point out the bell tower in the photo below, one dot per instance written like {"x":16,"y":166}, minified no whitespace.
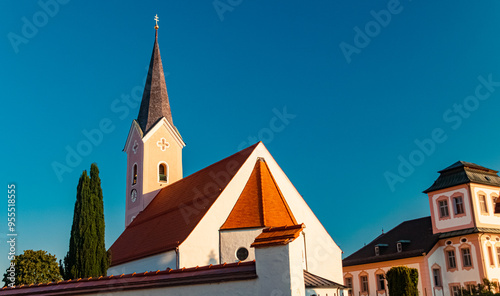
{"x":154,"y":145}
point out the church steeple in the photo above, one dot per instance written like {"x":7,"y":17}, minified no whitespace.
{"x":154,"y":145}
{"x":155,"y":104}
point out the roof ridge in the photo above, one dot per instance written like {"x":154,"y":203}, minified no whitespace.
{"x":261,"y":190}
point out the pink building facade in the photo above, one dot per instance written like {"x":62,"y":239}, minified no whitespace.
{"x":456,"y":247}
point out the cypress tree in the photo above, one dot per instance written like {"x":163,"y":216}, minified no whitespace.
{"x":87,"y":256}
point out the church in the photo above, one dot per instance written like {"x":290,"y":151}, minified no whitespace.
{"x":236,"y":227}
{"x":456,"y":247}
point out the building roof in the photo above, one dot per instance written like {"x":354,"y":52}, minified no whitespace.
{"x":210,"y":274}
{"x":315,"y":281}
{"x":468,"y":231}
{"x":154,"y":104}
{"x":175,"y":211}
{"x":462,"y":172}
{"x":273,"y":236}
{"x":261,"y":203}
{"x":147,"y":280}
{"x":416,"y":238}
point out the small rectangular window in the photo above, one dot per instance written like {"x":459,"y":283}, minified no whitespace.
{"x":451,"y":259}
{"x":466,"y":257}
{"x":443,"y":208}
{"x":377,"y":250}
{"x":490,"y":256}
{"x":459,"y":205}
{"x":498,"y":255}
{"x":364,"y":283}
{"x":399,"y":246}
{"x":348,"y":284}
{"x":482,"y":203}
{"x":436,"y":274}
{"x":455,"y":290}
{"x":380,"y":282}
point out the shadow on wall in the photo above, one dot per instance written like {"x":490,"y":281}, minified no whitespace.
{"x":211,"y":258}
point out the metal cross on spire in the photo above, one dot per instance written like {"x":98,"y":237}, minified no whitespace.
{"x":156,"y":19}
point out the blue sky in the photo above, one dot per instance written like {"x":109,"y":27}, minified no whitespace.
{"x":405,"y":89}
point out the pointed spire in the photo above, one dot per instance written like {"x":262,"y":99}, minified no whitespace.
{"x":155,"y":104}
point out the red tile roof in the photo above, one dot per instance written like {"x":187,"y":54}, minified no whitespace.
{"x":175,"y":211}
{"x":261,"y":204}
{"x":147,"y":280}
{"x":277,"y":236}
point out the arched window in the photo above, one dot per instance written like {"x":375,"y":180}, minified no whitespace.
{"x":162,"y":172}
{"x":134,"y":176}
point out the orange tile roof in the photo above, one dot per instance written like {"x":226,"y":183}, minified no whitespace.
{"x":261,"y":204}
{"x":175,"y":211}
{"x":273,"y":236}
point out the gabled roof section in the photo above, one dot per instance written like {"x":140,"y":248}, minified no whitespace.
{"x":418,"y":232}
{"x":462,"y":172}
{"x":175,"y":211}
{"x":274,"y":236}
{"x":261,"y":204}
{"x":154,"y":104}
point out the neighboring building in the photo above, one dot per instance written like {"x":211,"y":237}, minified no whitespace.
{"x":240,"y":219}
{"x":457,"y":246}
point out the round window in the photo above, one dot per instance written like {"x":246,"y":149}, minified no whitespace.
{"x":242,"y":254}
{"x":464,"y":240}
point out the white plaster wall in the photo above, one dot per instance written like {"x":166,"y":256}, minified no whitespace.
{"x":296,"y":267}
{"x":236,"y":288}
{"x":279,"y":269}
{"x":372,"y":280}
{"x":458,"y":276}
{"x":453,"y":222}
{"x":232,"y":240}
{"x":151,"y":263}
{"x":490,"y":218}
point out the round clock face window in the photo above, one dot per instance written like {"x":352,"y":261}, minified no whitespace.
{"x":133,"y":195}
{"x":242,"y":254}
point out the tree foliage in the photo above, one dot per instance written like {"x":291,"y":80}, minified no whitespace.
{"x":402,"y":281}
{"x":87,"y":256}
{"x":32,"y":267}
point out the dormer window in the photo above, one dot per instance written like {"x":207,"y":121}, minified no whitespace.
{"x":377,"y":248}
{"x":399,"y":244}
